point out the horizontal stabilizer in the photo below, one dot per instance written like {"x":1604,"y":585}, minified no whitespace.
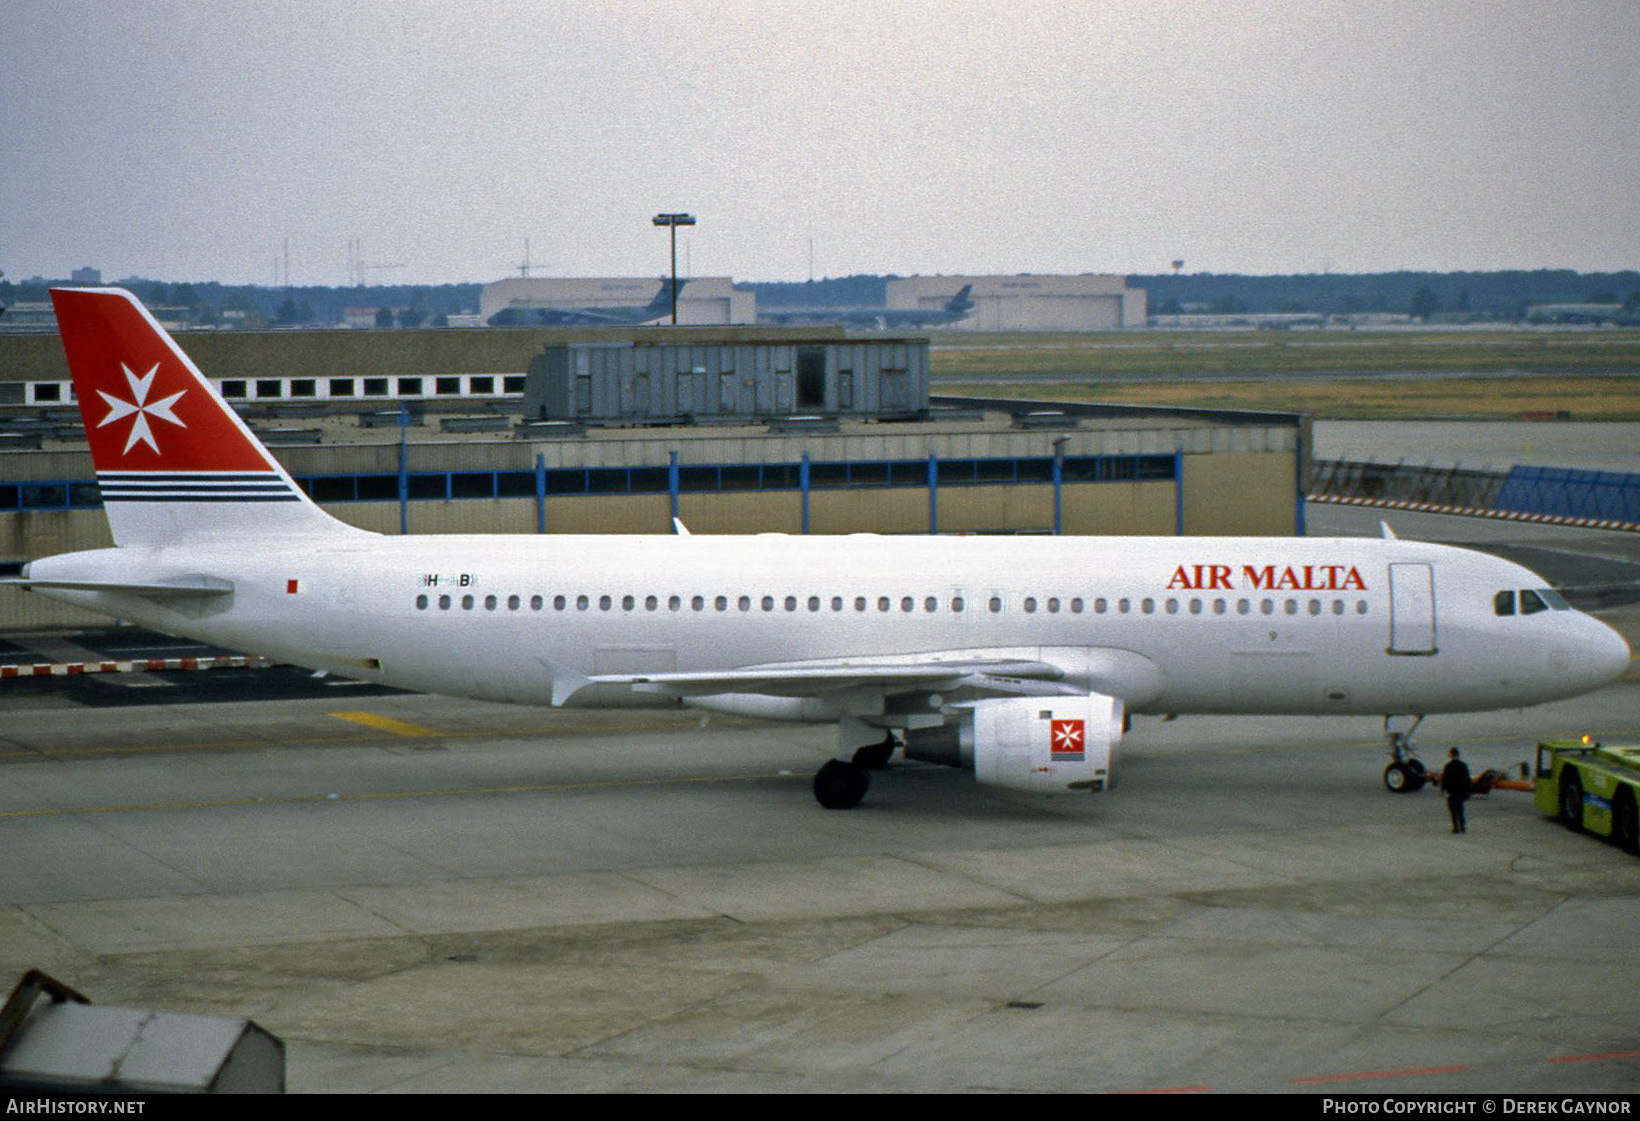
{"x":172,"y":587}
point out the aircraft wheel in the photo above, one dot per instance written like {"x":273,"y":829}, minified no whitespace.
{"x":1401,"y":779}
{"x":1626,"y":821}
{"x":1419,"y":775}
{"x":1571,"y":799}
{"x":839,"y":785}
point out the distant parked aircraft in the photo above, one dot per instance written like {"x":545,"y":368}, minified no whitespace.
{"x":660,"y":306}
{"x":882,"y":318}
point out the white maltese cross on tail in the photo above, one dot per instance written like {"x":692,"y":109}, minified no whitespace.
{"x":140,"y":408}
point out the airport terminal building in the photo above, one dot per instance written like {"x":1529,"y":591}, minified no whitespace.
{"x":771,"y":430}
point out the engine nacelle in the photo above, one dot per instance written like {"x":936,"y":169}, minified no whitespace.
{"x":1044,"y":745}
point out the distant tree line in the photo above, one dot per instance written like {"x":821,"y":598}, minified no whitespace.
{"x":1480,"y":295}
{"x":209,"y":303}
{"x":1491,"y":295}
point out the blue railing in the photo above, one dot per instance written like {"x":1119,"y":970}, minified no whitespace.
{"x":1564,"y":492}
{"x":444,"y":485}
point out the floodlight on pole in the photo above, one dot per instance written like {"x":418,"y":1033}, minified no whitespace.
{"x":673,"y":221}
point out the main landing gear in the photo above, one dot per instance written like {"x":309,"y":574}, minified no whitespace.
{"x":841,"y":783}
{"x":1406,"y":773}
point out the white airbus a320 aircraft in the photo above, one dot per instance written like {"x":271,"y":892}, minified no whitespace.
{"x":1018,"y":658}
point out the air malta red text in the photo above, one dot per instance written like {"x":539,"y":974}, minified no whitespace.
{"x":1270,"y":578}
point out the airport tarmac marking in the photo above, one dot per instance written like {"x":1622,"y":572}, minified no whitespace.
{"x":1604,"y":1056}
{"x":396,"y":795}
{"x":385,"y":723}
{"x":1377,"y":1074}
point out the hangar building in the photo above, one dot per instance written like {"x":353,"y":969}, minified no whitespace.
{"x":1027,"y":302}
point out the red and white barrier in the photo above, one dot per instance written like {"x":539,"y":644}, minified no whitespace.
{"x":138,"y":665}
{"x":1474,"y":512}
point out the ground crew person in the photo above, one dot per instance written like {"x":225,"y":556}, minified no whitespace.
{"x":1456,"y":784}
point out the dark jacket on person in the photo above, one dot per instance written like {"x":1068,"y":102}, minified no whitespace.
{"x":1455,"y":779}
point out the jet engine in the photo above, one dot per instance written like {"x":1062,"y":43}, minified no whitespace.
{"x":1043,"y":745}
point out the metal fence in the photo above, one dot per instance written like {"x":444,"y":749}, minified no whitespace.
{"x":1401,"y":482}
{"x":1534,"y":492}
{"x":1563,"y":492}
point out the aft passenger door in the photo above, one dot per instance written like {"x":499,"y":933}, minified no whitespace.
{"x":1411,"y":609}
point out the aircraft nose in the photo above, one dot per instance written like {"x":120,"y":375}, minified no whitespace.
{"x":1608,"y":652}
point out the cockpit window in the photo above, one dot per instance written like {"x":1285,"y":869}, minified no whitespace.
{"x":1531,"y":603}
{"x":1504,"y":603}
{"x":1554,"y":599}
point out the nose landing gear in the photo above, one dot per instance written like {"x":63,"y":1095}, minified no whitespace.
{"x":1406,"y":773}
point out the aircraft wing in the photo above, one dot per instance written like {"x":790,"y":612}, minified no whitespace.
{"x":957,"y":674}
{"x":813,"y":679}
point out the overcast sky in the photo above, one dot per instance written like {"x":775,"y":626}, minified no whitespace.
{"x":189,"y":140}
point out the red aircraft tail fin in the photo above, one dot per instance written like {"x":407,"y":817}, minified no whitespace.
{"x":173,"y":460}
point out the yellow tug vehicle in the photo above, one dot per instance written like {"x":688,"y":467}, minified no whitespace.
{"x":1591,"y":787}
